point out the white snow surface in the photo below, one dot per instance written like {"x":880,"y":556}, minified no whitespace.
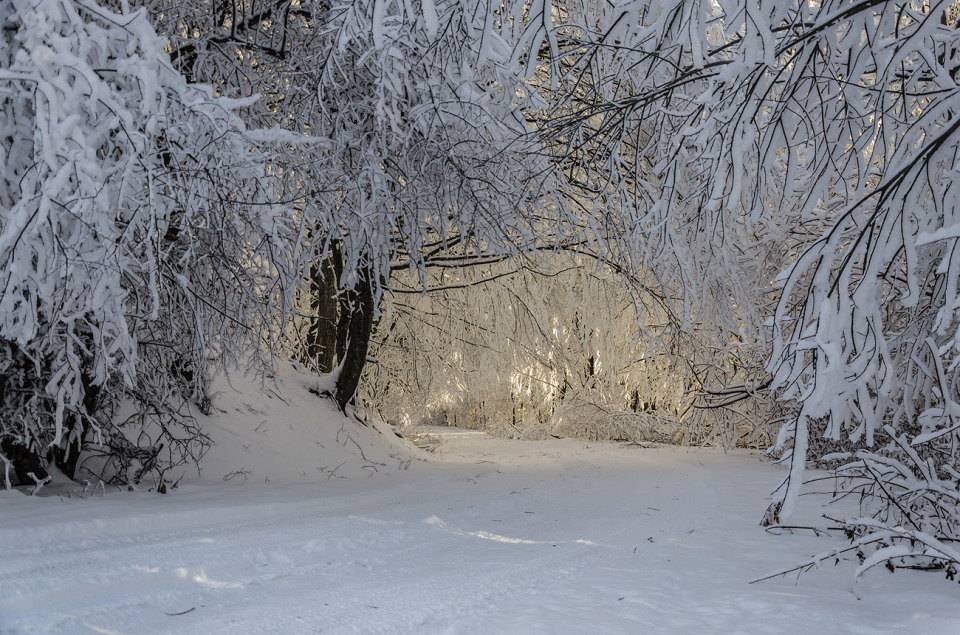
{"x":275,"y":430}
{"x":486,"y":535}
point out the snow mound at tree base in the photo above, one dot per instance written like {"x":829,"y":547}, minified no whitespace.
{"x":273,"y":429}
{"x":280,"y":430}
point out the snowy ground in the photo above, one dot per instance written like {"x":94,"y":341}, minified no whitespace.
{"x":489,"y":536}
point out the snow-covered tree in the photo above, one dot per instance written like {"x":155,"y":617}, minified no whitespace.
{"x":554,"y":344}
{"x":820,"y":139}
{"x":417,"y":139}
{"x":142,"y":235}
{"x":138,"y":241}
{"x":420,"y":104}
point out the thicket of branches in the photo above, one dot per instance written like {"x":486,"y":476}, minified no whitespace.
{"x":820,"y":139}
{"x":138,"y":240}
{"x":239,"y":186}
{"x":561,"y":345}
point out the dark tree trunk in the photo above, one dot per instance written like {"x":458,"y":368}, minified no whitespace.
{"x":359,"y":326}
{"x":321,"y":345}
{"x":23,"y":459}
{"x":24,"y":462}
{"x":344,"y":302}
{"x":343,"y":324}
{"x":66,"y":457}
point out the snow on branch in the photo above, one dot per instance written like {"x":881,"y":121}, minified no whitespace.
{"x":821,"y":138}
{"x":134,"y":215}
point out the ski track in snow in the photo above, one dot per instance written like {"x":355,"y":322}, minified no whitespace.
{"x":492,"y":536}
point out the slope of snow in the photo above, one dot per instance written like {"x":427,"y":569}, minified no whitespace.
{"x":489,"y":536}
{"x":280,"y":431}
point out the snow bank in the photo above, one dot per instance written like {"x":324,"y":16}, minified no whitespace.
{"x":280,"y":430}
{"x":273,"y":429}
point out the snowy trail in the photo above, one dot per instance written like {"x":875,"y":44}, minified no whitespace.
{"x":494,"y":536}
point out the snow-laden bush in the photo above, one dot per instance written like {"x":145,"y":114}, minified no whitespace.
{"x":135,"y":240}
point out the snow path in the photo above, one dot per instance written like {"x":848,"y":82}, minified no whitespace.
{"x":492,"y":536}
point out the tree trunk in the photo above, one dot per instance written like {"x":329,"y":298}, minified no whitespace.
{"x":359,"y":327}
{"x":321,"y":345}
{"x":23,"y":462}
{"x":346,"y":302}
{"x":66,"y":457}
